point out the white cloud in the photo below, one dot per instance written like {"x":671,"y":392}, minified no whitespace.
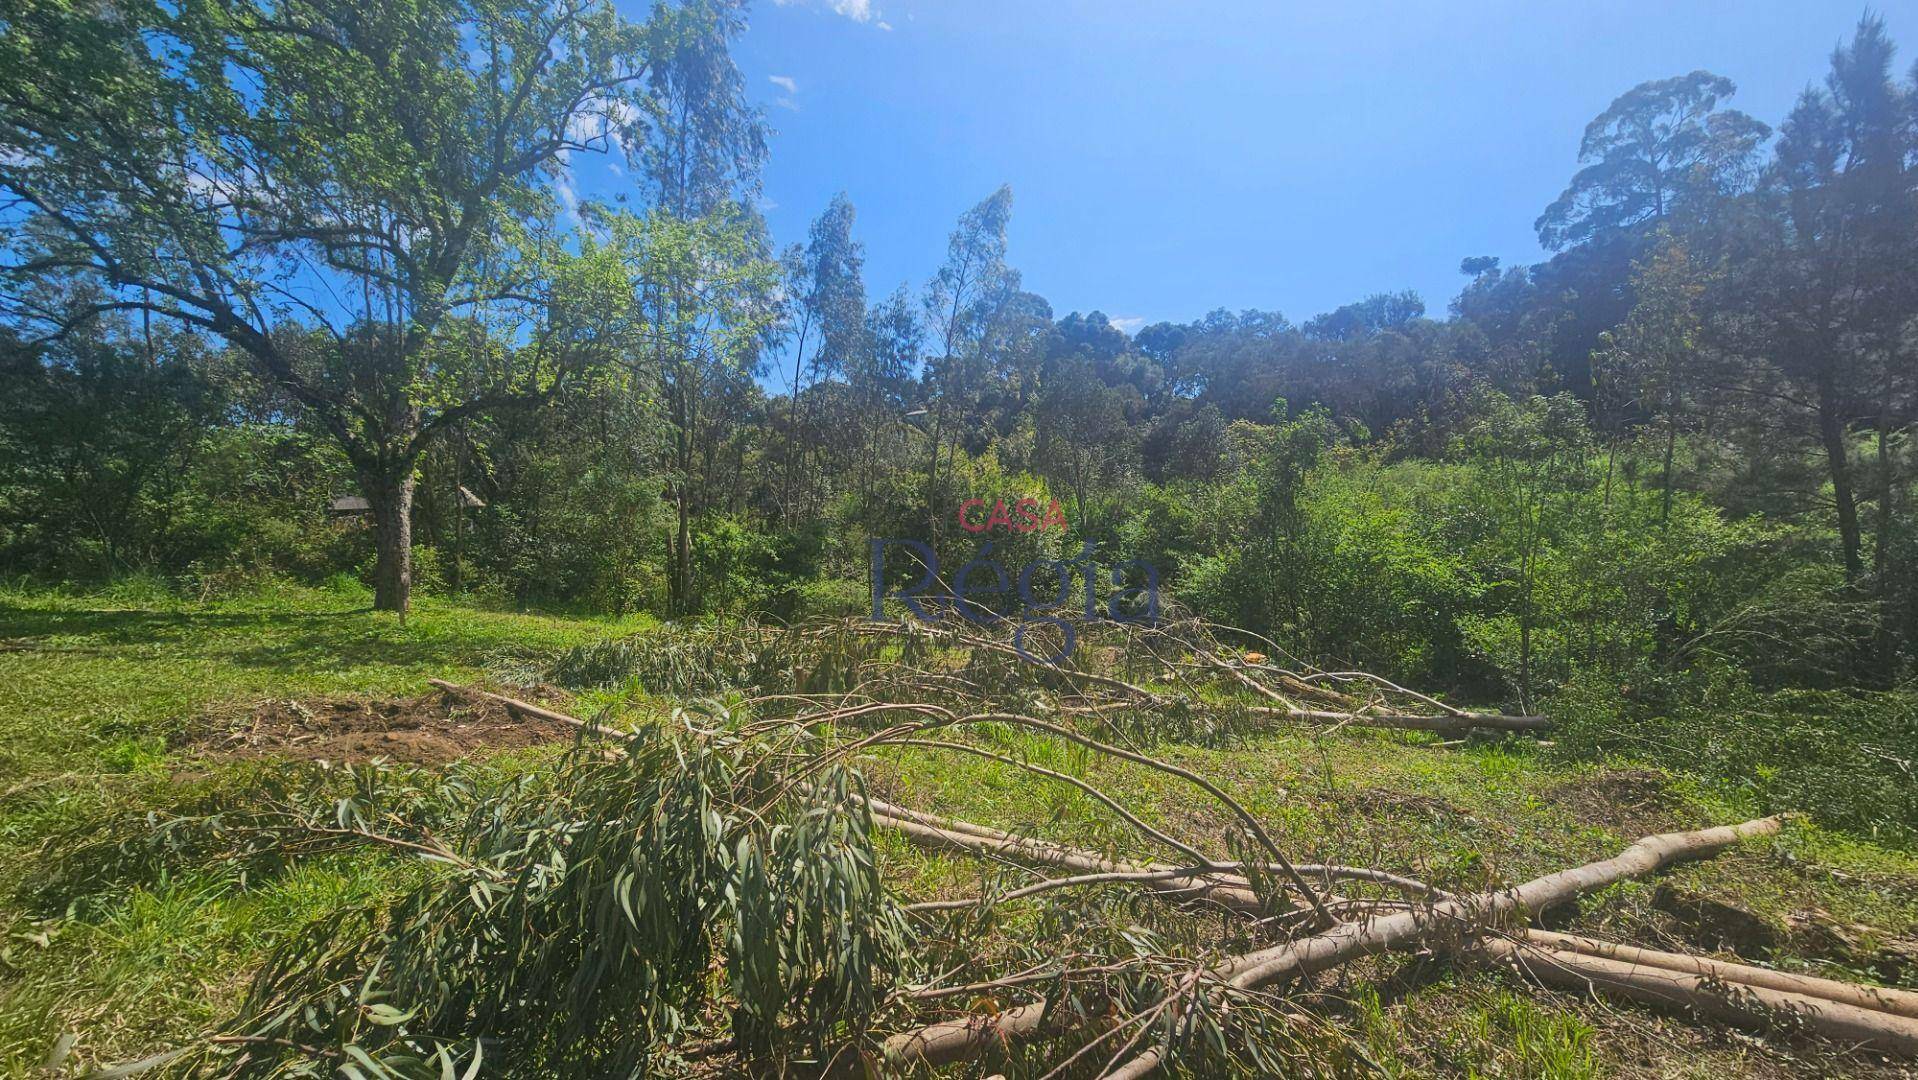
{"x":1126,"y":323}
{"x":884,"y":25}
{"x":600,"y":124}
{"x":857,"y":10}
{"x":789,"y":99}
{"x":568,"y":194}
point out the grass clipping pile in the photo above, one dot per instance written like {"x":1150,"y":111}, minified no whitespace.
{"x":705,"y":895}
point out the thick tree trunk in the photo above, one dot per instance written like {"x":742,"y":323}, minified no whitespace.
{"x":1743,"y":1005}
{"x":391,"y":498}
{"x":1876,"y":998}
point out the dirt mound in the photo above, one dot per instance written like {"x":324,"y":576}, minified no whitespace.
{"x":432,"y":729}
{"x":1635,"y":801}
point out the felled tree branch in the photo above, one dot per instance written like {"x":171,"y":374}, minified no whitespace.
{"x":1870,"y":1017}
{"x":1737,"y":1003}
{"x":1419,"y":927}
{"x":1876,"y":998}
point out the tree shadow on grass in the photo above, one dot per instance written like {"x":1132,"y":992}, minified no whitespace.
{"x":311,"y":650}
{"x":128,"y":626}
{"x":272,"y":640}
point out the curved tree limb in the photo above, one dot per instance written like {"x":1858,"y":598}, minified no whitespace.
{"x":956,"y":1040}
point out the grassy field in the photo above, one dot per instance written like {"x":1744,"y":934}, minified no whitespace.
{"x":92,"y":690}
{"x":102,"y":697}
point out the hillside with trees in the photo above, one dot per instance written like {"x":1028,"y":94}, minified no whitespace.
{"x":295,"y":301}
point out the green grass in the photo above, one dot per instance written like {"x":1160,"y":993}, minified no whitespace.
{"x":93,"y":685}
{"x":1464,"y":818}
{"x":92,"y":682}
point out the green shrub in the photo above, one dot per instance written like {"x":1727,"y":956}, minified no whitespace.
{"x":1842,"y":756}
{"x":832,"y":598}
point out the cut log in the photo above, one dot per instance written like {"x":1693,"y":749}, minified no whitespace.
{"x":1740,"y":1004}
{"x":1877,"y":998}
{"x":968,"y":1037}
{"x":1434,"y":924}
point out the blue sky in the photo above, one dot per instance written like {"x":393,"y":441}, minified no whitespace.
{"x":1171,"y":157}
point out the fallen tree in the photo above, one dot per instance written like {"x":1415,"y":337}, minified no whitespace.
{"x":1448,"y":921}
{"x":936,"y":833}
{"x":515,"y":705}
{"x":1863,"y":1016}
{"x":1195,"y":649}
{"x":1876,"y":998}
{"x":1741,"y":1004}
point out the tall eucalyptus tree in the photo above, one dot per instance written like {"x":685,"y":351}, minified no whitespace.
{"x":701,"y":255}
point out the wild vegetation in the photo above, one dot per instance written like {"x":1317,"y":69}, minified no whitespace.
{"x":1621,"y":546}
{"x":778,"y":823}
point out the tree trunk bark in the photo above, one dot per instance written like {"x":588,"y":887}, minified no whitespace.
{"x":1831,"y":431}
{"x":792,"y":422}
{"x":680,"y":580}
{"x":458,"y":581}
{"x":391,"y":498}
{"x":1885,"y":642}
{"x":1876,"y":998}
{"x":1194,"y":886}
{"x":682,"y":592}
{"x":1742,"y":1005}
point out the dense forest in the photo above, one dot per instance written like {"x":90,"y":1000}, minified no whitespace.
{"x":254,"y":267}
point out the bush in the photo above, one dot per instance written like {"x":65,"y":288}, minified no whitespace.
{"x":832,"y":598}
{"x":1842,"y":756}
{"x":1359,"y":578}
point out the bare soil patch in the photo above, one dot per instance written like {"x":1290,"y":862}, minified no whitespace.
{"x":432,"y":729}
{"x":1636,"y":802}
